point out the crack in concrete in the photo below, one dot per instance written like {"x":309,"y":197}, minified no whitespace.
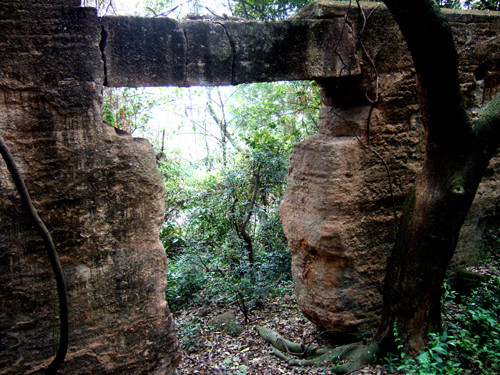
{"x":102,"y":47}
{"x":185,"y":51}
{"x":233,"y":53}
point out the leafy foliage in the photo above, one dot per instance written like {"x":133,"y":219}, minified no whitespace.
{"x":249,"y":9}
{"x":213,"y":248}
{"x":230,"y":233}
{"x":267,"y":9}
{"x":286,"y":109}
{"x":482,"y":4}
{"x":128,"y":109}
{"x":477,"y":328}
{"x":470,"y":4}
{"x":190,"y":333}
{"x":185,"y":279}
{"x":451,"y":4}
{"x":470,"y":342}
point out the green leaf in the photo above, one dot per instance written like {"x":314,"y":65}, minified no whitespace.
{"x":243,"y":368}
{"x":423,"y":357}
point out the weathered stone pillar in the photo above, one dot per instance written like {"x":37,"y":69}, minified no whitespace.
{"x":338,"y":212}
{"x":100,"y":195}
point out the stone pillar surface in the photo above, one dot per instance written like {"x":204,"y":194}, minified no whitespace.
{"x":100,"y":195}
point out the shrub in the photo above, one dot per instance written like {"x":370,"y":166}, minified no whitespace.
{"x":470,"y":343}
{"x":477,"y":328}
{"x":185,"y":279}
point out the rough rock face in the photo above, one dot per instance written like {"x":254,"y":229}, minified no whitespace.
{"x":338,"y":212}
{"x":338,"y":218}
{"x":100,"y":195}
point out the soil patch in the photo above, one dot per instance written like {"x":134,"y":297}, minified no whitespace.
{"x":237,"y":349}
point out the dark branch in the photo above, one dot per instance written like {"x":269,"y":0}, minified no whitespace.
{"x":244,"y":7}
{"x":244,"y":234}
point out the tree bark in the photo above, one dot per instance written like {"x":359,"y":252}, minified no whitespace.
{"x":244,"y":234}
{"x":456,"y":155}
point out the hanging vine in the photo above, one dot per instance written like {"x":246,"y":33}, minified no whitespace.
{"x":51,"y":251}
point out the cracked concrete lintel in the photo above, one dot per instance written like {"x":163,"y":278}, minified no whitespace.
{"x":143,"y":51}
{"x":318,"y":43}
{"x":164,"y":52}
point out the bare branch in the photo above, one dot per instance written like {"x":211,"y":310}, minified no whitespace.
{"x":245,"y":12}
{"x":222,"y":122}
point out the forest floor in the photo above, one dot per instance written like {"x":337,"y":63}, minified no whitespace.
{"x":217,"y":342}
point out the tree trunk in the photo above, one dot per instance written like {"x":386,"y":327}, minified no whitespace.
{"x":424,"y":247}
{"x":456,"y":156}
{"x":244,"y":234}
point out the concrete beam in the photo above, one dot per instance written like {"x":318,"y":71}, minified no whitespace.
{"x":163,"y":52}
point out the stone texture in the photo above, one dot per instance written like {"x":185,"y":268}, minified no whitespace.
{"x":338,"y":212}
{"x":143,"y":51}
{"x":164,"y":52}
{"x":100,"y":195}
{"x":337,"y":215}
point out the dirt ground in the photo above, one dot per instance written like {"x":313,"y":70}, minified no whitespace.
{"x":235,"y":348}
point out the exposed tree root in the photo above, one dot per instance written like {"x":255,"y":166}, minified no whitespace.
{"x":344,"y":359}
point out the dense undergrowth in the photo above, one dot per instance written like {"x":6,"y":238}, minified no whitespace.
{"x":468,"y":345}
{"x":202,"y":275}
{"x":226,"y":243}
{"x":471,"y":340}
{"x":222,"y":231}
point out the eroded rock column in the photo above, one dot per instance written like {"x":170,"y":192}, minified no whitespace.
{"x":100,"y":195}
{"x":338,"y":213}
